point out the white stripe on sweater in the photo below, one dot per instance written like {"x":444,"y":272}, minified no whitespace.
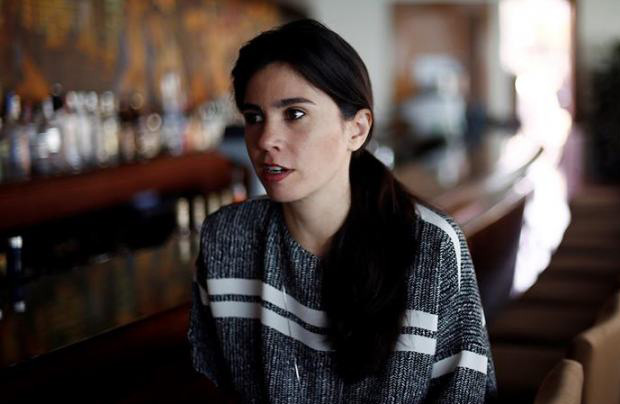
{"x":431,"y":217}
{"x":416,"y":343}
{"x":317,"y":318}
{"x":464,"y":359}
{"x":271,"y":319}
{"x":255,"y":287}
{"x":421,"y":319}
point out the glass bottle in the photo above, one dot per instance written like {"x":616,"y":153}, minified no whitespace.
{"x":47,"y":145}
{"x":69,"y":123}
{"x":15,"y":273}
{"x":85,"y":138}
{"x":25,"y":138}
{"x":97,"y":155}
{"x":110,"y":127}
{"x":7,"y":121}
{"x":14,"y":144}
{"x":129,"y":112}
{"x":174,"y":122}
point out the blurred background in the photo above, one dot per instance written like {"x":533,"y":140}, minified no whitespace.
{"x":118,"y":136}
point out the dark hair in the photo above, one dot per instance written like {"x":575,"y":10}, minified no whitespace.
{"x":366,"y":266}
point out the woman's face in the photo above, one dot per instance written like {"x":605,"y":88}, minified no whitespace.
{"x":298,"y":142}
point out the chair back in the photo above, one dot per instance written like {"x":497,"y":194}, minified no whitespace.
{"x":562,"y":385}
{"x":598,"y":350}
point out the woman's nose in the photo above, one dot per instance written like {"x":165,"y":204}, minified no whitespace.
{"x":269,"y":137}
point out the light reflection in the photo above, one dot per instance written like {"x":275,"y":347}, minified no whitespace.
{"x":546,"y":216}
{"x":535,"y":46}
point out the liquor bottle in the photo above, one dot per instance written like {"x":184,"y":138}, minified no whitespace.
{"x":85,"y":141}
{"x":182,"y":210}
{"x":110,"y":127}
{"x":46,"y":152}
{"x":130,"y":112}
{"x":57,"y":97}
{"x":55,"y":136}
{"x":14,"y":258}
{"x":14,"y":144}
{"x":147,"y":127}
{"x":15,"y":273}
{"x":199,"y":211}
{"x":97,"y":155}
{"x":174,"y":122}
{"x":4,"y":141}
{"x":38,"y":150}
{"x":68,"y":121}
{"x":26,"y":136}
{"x":183,"y":219}
{"x":149,"y":135}
{"x":214,"y":116}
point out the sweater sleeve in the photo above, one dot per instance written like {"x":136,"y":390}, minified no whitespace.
{"x":463,"y":370}
{"x":205,"y":348}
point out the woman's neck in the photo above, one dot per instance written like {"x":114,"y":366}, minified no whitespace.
{"x":314,"y":221}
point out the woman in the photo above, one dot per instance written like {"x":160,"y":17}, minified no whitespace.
{"x":339,"y":287}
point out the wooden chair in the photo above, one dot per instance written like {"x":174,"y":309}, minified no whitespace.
{"x":520,"y":369}
{"x":562,"y":385}
{"x":522,"y":365}
{"x":598,"y":350}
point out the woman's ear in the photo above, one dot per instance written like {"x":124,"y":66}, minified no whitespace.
{"x":358,"y":129}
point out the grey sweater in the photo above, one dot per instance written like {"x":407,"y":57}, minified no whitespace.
{"x":257,"y":323}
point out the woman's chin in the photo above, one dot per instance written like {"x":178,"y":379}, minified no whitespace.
{"x":281,"y":196}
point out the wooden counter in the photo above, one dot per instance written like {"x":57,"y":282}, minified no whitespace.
{"x":38,"y":200}
{"x":113,"y":330}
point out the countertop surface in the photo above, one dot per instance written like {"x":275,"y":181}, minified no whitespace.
{"x":63,"y":308}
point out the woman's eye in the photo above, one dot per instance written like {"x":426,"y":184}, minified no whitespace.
{"x":252,"y":117}
{"x":293,"y":114}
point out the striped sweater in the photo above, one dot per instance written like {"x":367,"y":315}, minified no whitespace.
{"x":257,"y":324}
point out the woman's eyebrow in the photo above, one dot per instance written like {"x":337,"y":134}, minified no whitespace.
{"x":290,"y":101}
{"x":285,"y":102}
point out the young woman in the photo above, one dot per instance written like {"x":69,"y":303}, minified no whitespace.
{"x":339,"y":287}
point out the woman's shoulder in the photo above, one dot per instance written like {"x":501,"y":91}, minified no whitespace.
{"x":442,"y":224}
{"x":439,"y":233}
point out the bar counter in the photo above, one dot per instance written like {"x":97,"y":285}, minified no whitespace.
{"x":467,"y":183}
{"x":103,"y":293}
{"x":61,"y":309}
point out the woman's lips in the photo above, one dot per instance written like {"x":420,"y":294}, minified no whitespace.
{"x":274,"y":173}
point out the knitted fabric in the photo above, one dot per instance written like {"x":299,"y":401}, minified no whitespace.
{"x":257,"y":323}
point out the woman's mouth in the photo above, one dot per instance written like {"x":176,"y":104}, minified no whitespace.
{"x":274,"y":172}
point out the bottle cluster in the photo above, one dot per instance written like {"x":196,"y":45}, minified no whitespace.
{"x":78,"y":131}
